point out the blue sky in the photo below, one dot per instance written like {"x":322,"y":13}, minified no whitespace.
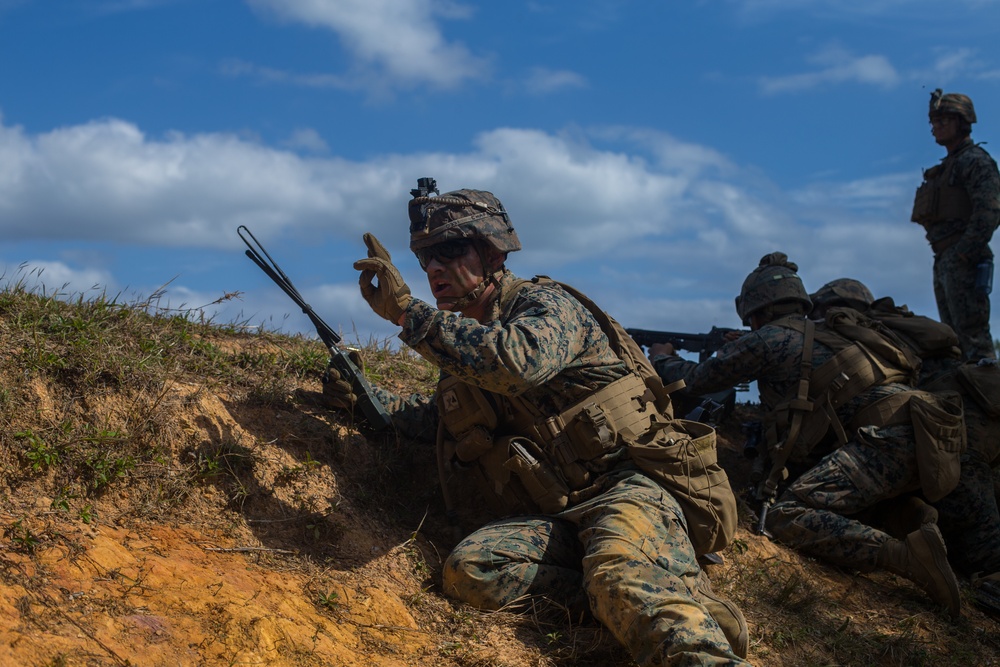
{"x":649,"y":153}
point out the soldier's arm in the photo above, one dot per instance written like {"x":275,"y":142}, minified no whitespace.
{"x":982,"y":183}
{"x":414,"y":415}
{"x":740,"y":361}
{"x":548,"y":333}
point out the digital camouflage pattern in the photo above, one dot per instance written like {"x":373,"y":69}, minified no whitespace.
{"x":551,"y":351}
{"x":631,"y":540}
{"x":962,"y":242}
{"x":842,"y":292}
{"x":972,"y":528}
{"x":462,"y":214}
{"x":960,"y":305}
{"x":956,"y":103}
{"x":827,"y":485}
{"x":773,"y":282}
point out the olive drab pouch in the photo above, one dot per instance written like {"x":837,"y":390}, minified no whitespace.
{"x":925,"y":201}
{"x":681,"y":455}
{"x":939,"y":431}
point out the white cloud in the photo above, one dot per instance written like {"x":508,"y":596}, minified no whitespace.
{"x":542,"y":80}
{"x":397,"y":41}
{"x":308,"y":139}
{"x":611,"y":208}
{"x":836,"y":66}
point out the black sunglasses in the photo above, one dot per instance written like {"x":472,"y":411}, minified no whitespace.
{"x":444,"y":253}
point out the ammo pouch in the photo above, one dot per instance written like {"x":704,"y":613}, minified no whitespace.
{"x":938,"y":431}
{"x":681,"y":455}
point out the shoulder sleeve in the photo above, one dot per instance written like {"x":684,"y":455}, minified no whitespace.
{"x":546,"y":332}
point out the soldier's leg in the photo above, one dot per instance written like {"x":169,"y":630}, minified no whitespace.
{"x":515,"y":560}
{"x":969,"y":310}
{"x":642,"y":576}
{"x":810,"y":516}
{"x":970,"y":520}
{"x":814,"y":513}
{"x":941,"y":291}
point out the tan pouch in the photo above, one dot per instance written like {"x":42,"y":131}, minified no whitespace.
{"x":939,"y":430}
{"x":535,"y":475}
{"x":682,"y":456}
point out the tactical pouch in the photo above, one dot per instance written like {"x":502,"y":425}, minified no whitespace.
{"x":939,"y":431}
{"x":499,"y":484}
{"x":468,"y":415}
{"x":681,"y":455}
{"x":591,"y":432}
{"x":542,"y":485}
{"x":925,"y":204}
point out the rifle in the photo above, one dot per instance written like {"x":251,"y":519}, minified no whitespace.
{"x":372,"y":409}
{"x":704,"y":344}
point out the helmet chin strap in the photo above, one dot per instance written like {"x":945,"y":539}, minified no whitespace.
{"x":492,"y":278}
{"x":477,"y":291}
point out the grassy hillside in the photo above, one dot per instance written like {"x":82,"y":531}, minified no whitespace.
{"x":175,"y":493}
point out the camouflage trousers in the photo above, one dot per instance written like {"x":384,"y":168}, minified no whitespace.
{"x":627,"y":550}
{"x":960,"y":306}
{"x":818,"y":512}
{"x":969,"y":518}
{"x":814,"y":513}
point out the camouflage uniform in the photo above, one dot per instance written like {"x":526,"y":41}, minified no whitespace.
{"x":827,"y":487}
{"x":958,"y":205}
{"x":626,"y":548}
{"x":969,"y":516}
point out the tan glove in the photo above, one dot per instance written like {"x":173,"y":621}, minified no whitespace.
{"x":336,"y":389}
{"x":392,"y":295}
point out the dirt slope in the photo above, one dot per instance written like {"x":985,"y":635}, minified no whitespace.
{"x":193,"y":521}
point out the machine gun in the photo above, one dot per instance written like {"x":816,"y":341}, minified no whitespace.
{"x":704,"y":344}
{"x":372,"y":409}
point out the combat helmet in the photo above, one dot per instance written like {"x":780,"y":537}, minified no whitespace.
{"x":956,"y":103}
{"x":774,"y":284}
{"x":843,"y":292}
{"x":461,"y":214}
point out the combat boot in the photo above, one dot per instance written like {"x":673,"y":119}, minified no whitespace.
{"x":923,"y":559}
{"x":726,"y":614}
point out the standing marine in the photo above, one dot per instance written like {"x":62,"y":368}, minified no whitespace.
{"x":570,"y":432}
{"x":958,"y":205}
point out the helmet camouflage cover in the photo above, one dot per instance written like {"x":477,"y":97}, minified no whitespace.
{"x":843,"y":292}
{"x":956,"y":103}
{"x":774,"y":281}
{"x":461,"y":214}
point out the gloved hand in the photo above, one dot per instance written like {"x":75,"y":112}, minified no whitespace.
{"x":337,"y":390}
{"x":392,"y":295}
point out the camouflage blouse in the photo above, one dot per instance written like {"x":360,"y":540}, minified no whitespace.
{"x":545,"y":347}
